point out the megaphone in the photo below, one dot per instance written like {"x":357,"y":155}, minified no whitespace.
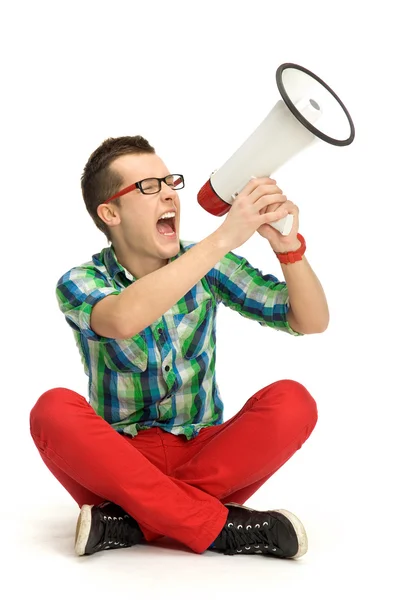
{"x":309,"y":111}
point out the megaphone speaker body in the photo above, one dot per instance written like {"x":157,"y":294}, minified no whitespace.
{"x":290,"y":127}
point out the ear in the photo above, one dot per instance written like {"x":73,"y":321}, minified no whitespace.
{"x":109,"y":214}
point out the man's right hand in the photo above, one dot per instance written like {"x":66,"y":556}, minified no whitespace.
{"x":248,"y":211}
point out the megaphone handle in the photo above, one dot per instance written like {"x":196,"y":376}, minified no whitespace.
{"x":284,"y":226}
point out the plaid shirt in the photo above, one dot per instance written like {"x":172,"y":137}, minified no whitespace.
{"x":165,"y":375}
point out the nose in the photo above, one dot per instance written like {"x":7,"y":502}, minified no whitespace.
{"x":167,"y":191}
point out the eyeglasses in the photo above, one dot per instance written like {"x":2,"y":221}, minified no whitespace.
{"x":152,"y":185}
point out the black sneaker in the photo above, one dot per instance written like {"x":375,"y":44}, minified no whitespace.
{"x":274,"y":533}
{"x":104,"y":527}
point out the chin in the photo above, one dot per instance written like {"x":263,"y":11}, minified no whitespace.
{"x":169,"y":247}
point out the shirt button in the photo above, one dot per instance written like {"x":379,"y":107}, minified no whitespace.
{"x":160,"y":331}
{"x":167,"y":368}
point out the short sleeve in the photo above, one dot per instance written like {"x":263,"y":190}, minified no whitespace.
{"x":77,"y":293}
{"x":245,"y":289}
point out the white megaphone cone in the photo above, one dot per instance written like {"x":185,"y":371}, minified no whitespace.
{"x":309,"y":111}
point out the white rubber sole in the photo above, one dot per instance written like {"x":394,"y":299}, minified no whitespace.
{"x":297,"y":526}
{"x":300,"y":532}
{"x":83,"y":529}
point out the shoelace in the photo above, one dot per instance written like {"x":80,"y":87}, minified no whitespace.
{"x":237,"y":539}
{"x":119,"y":531}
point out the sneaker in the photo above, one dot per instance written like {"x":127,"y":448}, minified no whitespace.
{"x":276,"y":533}
{"x":104,"y":527}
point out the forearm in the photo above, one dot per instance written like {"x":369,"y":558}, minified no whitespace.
{"x":308,"y":311}
{"x":146,"y":300}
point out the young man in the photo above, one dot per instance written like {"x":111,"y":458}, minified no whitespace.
{"x":150,"y":455}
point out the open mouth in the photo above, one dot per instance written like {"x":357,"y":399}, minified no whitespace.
{"x":166,"y":227}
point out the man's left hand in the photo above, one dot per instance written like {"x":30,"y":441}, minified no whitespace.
{"x":279,"y":242}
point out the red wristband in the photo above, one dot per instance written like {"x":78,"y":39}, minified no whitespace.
{"x":293,"y":256}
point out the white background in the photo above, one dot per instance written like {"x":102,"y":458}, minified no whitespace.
{"x":196,"y":79}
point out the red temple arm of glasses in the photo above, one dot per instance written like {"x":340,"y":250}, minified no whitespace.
{"x":122,"y":192}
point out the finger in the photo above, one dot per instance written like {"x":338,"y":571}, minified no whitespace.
{"x":256,"y":182}
{"x":287,"y":204}
{"x":271,"y":217}
{"x":264,"y":190}
{"x":273,"y":200}
{"x":275,"y":206}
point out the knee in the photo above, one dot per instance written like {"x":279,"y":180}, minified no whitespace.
{"x":49,"y":408}
{"x":301,"y":402}
{"x":296,"y":402}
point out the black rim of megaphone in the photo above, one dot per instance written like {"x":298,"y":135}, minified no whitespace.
{"x":300,"y":117}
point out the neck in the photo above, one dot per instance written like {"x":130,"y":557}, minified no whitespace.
{"x":137,"y":264}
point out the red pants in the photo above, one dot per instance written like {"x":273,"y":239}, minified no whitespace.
{"x":172,"y":486}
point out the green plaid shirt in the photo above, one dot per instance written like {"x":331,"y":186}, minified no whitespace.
{"x":165,"y":375}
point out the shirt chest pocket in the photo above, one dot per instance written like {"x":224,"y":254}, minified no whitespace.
{"x":194,"y":329}
{"x":127,"y":356}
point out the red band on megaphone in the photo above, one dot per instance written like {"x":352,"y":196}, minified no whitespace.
{"x":211,"y":202}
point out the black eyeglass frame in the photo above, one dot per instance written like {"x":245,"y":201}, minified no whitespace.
{"x":138,"y":185}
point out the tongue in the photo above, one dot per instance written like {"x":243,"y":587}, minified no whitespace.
{"x":163,"y":227}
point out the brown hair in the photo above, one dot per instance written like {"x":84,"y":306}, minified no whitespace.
{"x":99,"y":181}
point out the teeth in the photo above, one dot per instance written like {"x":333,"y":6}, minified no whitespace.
{"x":167,"y":215}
